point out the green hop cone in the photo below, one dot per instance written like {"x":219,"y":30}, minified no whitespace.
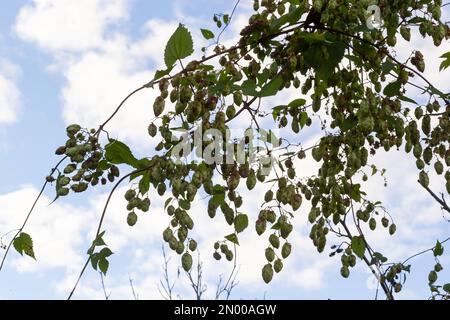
{"x":392,"y":229}
{"x":278,"y":265}
{"x":186,"y":262}
{"x":274,"y":241}
{"x":432,"y":276}
{"x":385,"y":222}
{"x":423,"y":179}
{"x":63,"y":192}
{"x":267,"y":273}
{"x":439,"y":167}
{"x":192,"y":245}
{"x":251,"y":180}
{"x":158,"y":106}
{"x":260,"y":226}
{"x":372,"y":224}
{"x":270,"y":254}
{"x":130,"y":194}
{"x":152,"y":130}
{"x":180,"y":248}
{"x":217,"y":256}
{"x":285,"y":230}
{"x":286,"y":250}
{"x":268,"y":196}
{"x":405,"y":33}
{"x":132,"y":218}
{"x":230,"y":112}
{"x":438,"y":267}
{"x":167,"y":234}
{"x":73,"y":129}
{"x":345,"y":272}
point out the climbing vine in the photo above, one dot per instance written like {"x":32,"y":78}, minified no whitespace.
{"x":348,"y":82}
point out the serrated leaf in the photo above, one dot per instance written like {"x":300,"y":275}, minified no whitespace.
{"x":207,"y":34}
{"x":438,"y":249}
{"x":359,"y":246}
{"x":392,"y":89}
{"x":103,"y":265}
{"x":446,"y":63}
{"x":24,"y":244}
{"x":118,"y":153}
{"x":226,"y":18}
{"x":179,"y":46}
{"x":232,"y":238}
{"x":240,"y":222}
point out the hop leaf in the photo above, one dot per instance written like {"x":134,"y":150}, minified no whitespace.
{"x":24,"y":244}
{"x":179,"y":46}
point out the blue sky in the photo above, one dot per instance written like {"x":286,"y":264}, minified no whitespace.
{"x":72,"y":61}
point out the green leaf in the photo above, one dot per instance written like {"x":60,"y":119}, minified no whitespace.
{"x":276,"y":111}
{"x":406,"y":99}
{"x":290,"y":17}
{"x":438,"y":249}
{"x":218,"y":198}
{"x":392,"y":89}
{"x":103,"y":265}
{"x":387,"y":66}
{"x":179,"y":46}
{"x":118,"y":153}
{"x":158,"y":75}
{"x":446,"y":63}
{"x":303,"y":119}
{"x":24,"y":244}
{"x":226,"y":18}
{"x":105,"y":252}
{"x":297,"y":103}
{"x":98,"y":242}
{"x":240,"y":222}
{"x":144,"y":184}
{"x":94,"y":260}
{"x":207,"y":34}
{"x":232,"y":238}
{"x":358,"y":246}
{"x":271,"y":88}
{"x":248,"y":88}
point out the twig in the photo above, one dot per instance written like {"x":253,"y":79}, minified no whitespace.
{"x":29,"y":213}
{"x":135,"y":295}
{"x":101,"y":222}
{"x":103,"y":286}
{"x":442,"y":202}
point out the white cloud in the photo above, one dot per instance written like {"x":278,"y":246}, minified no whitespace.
{"x":68,"y":25}
{"x":10,"y":94}
{"x":56,"y":230}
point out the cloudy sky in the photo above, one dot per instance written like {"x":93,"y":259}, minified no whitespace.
{"x":65,"y":61}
